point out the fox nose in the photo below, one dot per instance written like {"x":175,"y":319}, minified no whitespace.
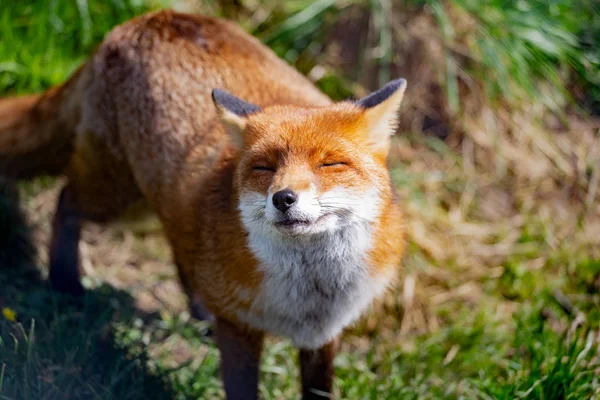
{"x":284,"y":199}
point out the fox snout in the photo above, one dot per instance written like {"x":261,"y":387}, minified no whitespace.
{"x":291,"y":204}
{"x":284,"y":199}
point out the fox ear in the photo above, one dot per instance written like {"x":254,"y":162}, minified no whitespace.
{"x":381,"y":112}
{"x":233,"y":112}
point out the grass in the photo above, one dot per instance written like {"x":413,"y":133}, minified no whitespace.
{"x":42,"y":42}
{"x":501,"y":286}
{"x":544,"y":42}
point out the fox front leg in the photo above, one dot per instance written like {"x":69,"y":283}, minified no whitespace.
{"x":240,"y":360}
{"x":316,"y":367}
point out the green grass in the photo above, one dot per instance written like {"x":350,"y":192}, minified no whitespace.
{"x":98,"y":348}
{"x":517,"y":51}
{"x":527,"y":327}
{"x":513,"y":42}
{"x":42,"y":42}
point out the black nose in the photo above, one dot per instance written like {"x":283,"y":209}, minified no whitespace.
{"x":284,"y":199}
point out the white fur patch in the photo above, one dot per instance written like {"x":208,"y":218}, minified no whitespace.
{"x":317,"y":279}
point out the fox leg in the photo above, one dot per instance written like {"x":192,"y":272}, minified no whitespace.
{"x":316,"y":367}
{"x":75,"y":205}
{"x":196,"y":306}
{"x":240,"y":360}
{"x":100,"y":188}
{"x":199,"y":311}
{"x":64,"y":246}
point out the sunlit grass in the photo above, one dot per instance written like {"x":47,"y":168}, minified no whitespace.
{"x":42,"y":42}
{"x":501,"y":295}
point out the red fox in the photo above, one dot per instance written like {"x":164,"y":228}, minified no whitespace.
{"x":276,"y":201}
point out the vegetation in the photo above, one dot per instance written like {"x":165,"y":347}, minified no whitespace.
{"x":497,"y":163}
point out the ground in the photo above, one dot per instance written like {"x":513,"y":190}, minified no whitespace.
{"x":499,"y":295}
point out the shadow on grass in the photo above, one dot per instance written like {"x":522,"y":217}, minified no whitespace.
{"x":60,"y":347}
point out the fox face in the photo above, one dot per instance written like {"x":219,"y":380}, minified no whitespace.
{"x":309,"y":171}
{"x":302,"y":173}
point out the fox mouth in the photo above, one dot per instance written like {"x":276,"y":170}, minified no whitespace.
{"x":290,"y":223}
{"x":297,"y":223}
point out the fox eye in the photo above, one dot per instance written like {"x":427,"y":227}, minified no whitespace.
{"x":333,"y":164}
{"x":263,"y":168}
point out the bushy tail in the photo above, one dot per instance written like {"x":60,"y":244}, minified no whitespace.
{"x":37,"y":131}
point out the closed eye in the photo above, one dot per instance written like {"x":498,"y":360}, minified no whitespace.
{"x":333,"y":164}
{"x":263,"y":168}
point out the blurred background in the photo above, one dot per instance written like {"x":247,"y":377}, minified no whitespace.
{"x":497,"y":163}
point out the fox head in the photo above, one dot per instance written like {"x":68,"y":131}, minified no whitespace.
{"x":309,"y":171}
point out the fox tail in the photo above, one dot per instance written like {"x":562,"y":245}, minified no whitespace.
{"x":37,"y":131}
